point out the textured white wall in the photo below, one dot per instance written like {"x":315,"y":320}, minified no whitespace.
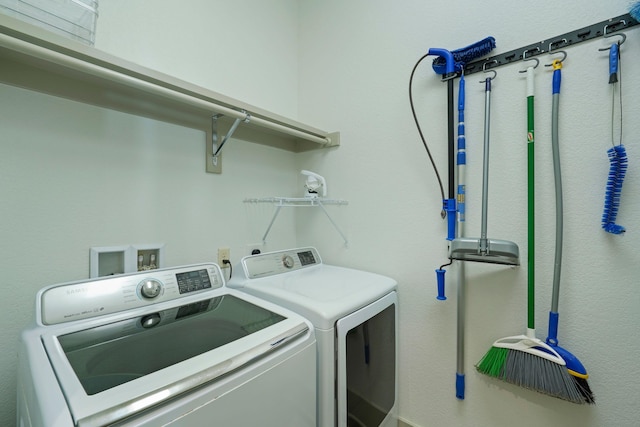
{"x":61,"y":191}
{"x":76,"y":176}
{"x":356,"y":58}
{"x":245,"y":49}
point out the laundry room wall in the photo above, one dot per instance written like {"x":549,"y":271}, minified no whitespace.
{"x":355,"y":61}
{"x":76,"y":176}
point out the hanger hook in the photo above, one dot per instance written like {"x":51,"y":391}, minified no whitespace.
{"x":564,"y":56}
{"x":607,"y":35}
{"x":484,"y":70}
{"x":557,"y":42}
{"x":611,"y":34}
{"x":524,"y":58}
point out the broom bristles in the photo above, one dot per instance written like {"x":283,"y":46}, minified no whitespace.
{"x":535,"y":373}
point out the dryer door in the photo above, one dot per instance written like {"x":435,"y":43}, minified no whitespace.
{"x":366,"y":365}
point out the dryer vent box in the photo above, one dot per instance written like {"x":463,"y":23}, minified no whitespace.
{"x":110,"y":260}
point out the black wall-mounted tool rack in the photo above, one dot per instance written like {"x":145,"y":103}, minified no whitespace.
{"x":609,"y":26}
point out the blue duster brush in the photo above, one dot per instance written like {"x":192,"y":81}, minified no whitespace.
{"x":617,"y":154}
{"x":635,"y":11}
{"x":618,"y":163}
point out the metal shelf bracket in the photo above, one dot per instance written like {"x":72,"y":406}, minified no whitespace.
{"x":214,"y":131}
{"x":281,"y":202}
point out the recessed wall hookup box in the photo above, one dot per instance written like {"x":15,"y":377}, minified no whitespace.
{"x":110,"y":260}
{"x":148,"y":257}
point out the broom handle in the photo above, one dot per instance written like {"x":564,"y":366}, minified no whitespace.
{"x":461,"y":161}
{"x":485,"y":175}
{"x":558,"y":185}
{"x":552,"y":337}
{"x":530,"y":202}
{"x":450,"y":204}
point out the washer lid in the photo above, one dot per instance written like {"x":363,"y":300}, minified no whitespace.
{"x":321,"y":293}
{"x":114,"y":369}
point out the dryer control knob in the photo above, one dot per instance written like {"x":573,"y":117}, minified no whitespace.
{"x":150,"y":320}
{"x":287,"y":261}
{"x":150,"y":288}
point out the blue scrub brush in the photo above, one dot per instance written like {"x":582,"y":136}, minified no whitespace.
{"x":464,"y":55}
{"x":635,"y":11}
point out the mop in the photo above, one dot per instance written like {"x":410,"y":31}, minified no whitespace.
{"x":462,"y":162}
{"x":448,"y":64}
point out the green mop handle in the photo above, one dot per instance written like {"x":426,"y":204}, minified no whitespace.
{"x":531,"y":203}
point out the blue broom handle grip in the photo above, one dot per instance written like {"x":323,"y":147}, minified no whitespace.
{"x":460,"y":386}
{"x":461,"y":93}
{"x":440,"y":277}
{"x":613,"y":60}
{"x":557,"y":79}
{"x":450,"y":208}
{"x":552,"y":336}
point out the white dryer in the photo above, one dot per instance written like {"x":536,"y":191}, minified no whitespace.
{"x":355,"y":318}
{"x":170,"y":347}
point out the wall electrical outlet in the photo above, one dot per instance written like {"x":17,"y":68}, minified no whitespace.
{"x":260,"y":247}
{"x":223,"y":253}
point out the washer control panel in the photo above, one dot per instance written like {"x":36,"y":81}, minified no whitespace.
{"x":272,"y":263}
{"x":85,"y":299}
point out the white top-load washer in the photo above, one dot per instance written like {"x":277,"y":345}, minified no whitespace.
{"x":170,"y":347}
{"x":355,"y":317}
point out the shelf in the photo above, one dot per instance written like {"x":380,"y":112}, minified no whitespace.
{"x":38,"y":60}
{"x":281,"y":202}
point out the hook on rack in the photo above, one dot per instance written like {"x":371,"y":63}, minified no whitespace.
{"x":607,"y":35}
{"x":524,"y":58}
{"x":484,"y":70}
{"x":556,"y":44}
{"x":613,"y":25}
{"x":557,"y":63}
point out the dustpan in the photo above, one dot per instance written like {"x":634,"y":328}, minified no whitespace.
{"x":483,"y":249}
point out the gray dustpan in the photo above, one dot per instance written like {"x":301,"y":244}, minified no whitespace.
{"x":483,"y":249}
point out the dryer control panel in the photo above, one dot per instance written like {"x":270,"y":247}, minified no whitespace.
{"x":91,"y":298}
{"x":272,"y":263}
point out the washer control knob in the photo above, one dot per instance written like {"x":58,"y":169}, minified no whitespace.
{"x":150,"y":288}
{"x":287,"y":261}
{"x":150,"y":320}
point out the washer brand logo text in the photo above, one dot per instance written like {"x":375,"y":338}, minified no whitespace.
{"x":76,"y":291}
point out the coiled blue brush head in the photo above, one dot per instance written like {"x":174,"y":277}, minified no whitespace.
{"x":463,"y":56}
{"x":635,"y":11}
{"x":618,"y":163}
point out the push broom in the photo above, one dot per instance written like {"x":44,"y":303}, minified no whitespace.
{"x":524,"y":360}
{"x":574,"y":367}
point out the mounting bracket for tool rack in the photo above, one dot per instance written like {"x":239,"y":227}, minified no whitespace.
{"x":563,"y":41}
